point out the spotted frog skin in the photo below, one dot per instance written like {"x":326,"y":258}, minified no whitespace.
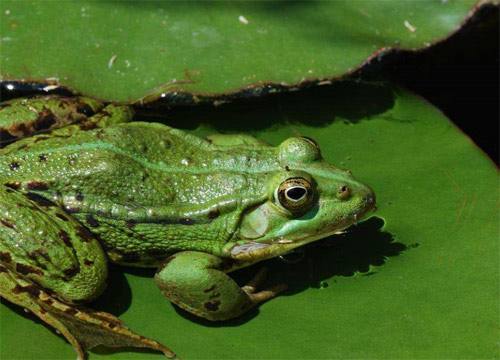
{"x":81,"y":184}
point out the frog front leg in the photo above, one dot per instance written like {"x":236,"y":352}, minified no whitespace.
{"x":197,"y":282}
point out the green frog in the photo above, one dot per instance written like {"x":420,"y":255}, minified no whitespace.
{"x":82,"y":184}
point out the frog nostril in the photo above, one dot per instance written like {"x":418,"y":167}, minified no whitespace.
{"x":370,"y":199}
{"x":344,"y":192}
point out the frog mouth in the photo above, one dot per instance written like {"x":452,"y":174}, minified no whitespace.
{"x":254,"y":251}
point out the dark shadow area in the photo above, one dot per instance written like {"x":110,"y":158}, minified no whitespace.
{"x":460,"y":76}
{"x":14,"y":89}
{"x":117,"y":297}
{"x":362,"y":247}
{"x":315,"y":106}
{"x":104,"y":350}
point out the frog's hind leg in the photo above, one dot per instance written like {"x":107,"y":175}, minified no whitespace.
{"x":23,"y":117}
{"x":49,"y":263}
{"x":20,"y":292}
{"x":83,"y":328}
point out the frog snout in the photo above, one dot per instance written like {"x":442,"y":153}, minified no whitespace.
{"x":370,"y":200}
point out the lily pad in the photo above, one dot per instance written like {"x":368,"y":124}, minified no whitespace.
{"x":128,"y":50}
{"x":419,"y":280}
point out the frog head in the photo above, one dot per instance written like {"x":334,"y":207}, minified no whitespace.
{"x":307,"y":199}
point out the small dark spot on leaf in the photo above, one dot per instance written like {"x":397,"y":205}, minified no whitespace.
{"x":88,"y":262}
{"x":14,"y":165}
{"x":42,"y":157}
{"x":79,"y":196}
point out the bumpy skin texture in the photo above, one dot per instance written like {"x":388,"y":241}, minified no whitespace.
{"x":152,"y":196}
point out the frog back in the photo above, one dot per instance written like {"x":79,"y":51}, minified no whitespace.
{"x":142,"y":188}
{"x":145,"y":164}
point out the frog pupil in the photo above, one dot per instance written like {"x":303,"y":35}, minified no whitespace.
{"x":296,"y":193}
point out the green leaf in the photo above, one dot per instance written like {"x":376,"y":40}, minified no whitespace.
{"x":127,"y":50}
{"x":433,"y":285}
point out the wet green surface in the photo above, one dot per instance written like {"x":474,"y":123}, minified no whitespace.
{"x":424,"y":285}
{"x":126,"y":50}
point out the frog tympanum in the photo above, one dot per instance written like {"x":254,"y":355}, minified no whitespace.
{"x":82,"y":184}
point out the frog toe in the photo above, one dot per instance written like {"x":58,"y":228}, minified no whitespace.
{"x":260,"y":296}
{"x":264,"y":295}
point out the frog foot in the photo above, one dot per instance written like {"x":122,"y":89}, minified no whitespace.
{"x":83,"y":328}
{"x":198,"y":283}
{"x":258,"y":297}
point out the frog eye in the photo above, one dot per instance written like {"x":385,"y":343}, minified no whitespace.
{"x":296,"y":195}
{"x":310,"y":141}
